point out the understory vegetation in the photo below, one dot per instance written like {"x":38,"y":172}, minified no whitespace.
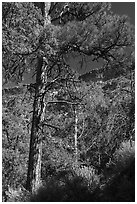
{"x":68,"y":103}
{"x":105,"y":168}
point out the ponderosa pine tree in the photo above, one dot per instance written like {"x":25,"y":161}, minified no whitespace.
{"x":89,"y":30}
{"x":25,"y":42}
{"x":35,"y":153}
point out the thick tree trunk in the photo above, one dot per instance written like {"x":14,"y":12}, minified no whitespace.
{"x":35,"y":153}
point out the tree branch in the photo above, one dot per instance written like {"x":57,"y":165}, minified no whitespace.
{"x":64,"y":101}
{"x":52,"y":126}
{"x":82,"y":130}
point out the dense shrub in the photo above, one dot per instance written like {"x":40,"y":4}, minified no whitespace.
{"x":121,"y":188}
{"x":124,"y":156}
{"x":65,"y":187}
{"x":89,"y":174}
{"x":19,"y":194}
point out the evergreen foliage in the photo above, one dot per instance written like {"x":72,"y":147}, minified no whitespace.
{"x":87,"y":125}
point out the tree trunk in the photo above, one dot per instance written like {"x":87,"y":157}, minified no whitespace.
{"x":35,"y":153}
{"x":76,"y":135}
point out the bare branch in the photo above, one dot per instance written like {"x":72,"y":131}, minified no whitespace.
{"x":82,"y":130}
{"x":64,"y":101}
{"x":52,"y":126}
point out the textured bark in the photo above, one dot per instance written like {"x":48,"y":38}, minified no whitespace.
{"x":35,"y":153}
